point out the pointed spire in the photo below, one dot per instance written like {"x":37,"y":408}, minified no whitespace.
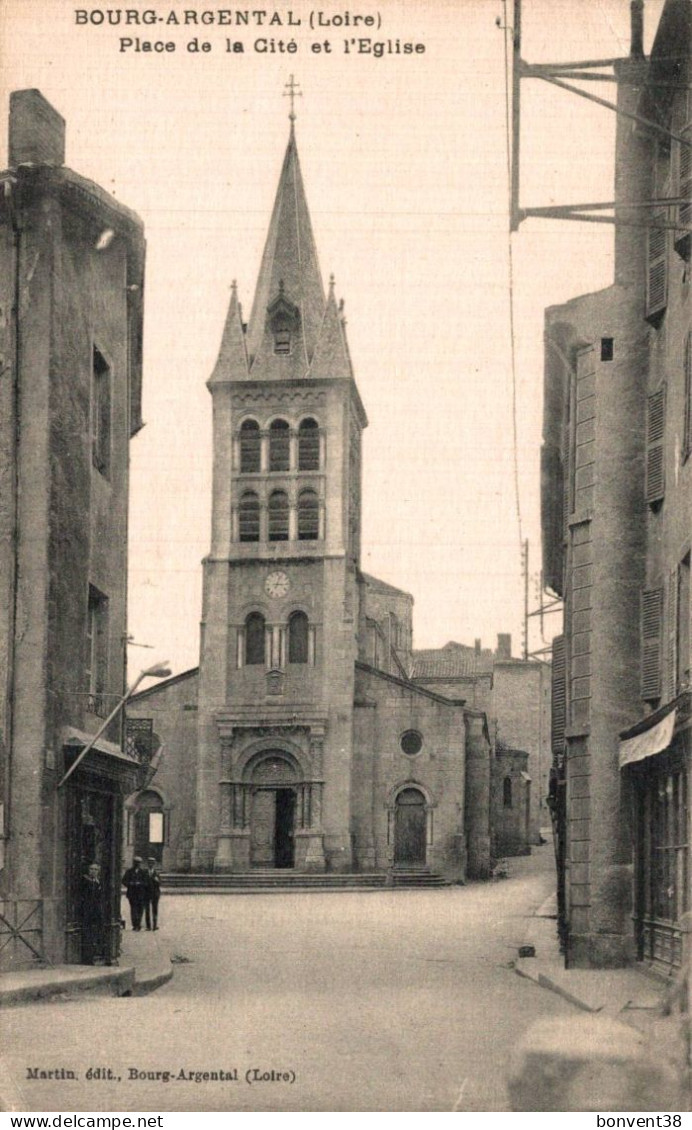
{"x":231,"y":364}
{"x":331,"y":357}
{"x":290,"y":255}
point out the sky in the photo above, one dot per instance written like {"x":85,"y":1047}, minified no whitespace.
{"x":404,"y":159}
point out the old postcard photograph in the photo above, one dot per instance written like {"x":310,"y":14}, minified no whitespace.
{"x":345,"y":534}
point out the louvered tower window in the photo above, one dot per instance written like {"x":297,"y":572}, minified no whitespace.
{"x":279,"y":446}
{"x":278,"y":512}
{"x":250,"y":444}
{"x":308,"y":446}
{"x":651,"y":623}
{"x":308,"y":516}
{"x":249,"y":517}
{"x":655,"y":451}
{"x":683,"y":239}
{"x":657,"y":271}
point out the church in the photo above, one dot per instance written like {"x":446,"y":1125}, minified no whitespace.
{"x":302,"y":741}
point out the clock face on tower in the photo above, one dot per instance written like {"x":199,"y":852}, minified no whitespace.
{"x":277,"y":583}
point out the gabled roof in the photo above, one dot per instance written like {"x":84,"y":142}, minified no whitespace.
{"x":453,"y":661}
{"x":383,"y":586}
{"x":289,"y":267}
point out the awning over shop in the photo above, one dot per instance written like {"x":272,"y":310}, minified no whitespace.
{"x":652,"y":741}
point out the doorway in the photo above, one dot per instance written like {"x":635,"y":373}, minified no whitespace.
{"x":410,"y":829}
{"x":272,"y":828}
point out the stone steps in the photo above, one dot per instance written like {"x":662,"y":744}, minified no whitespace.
{"x":260,"y":879}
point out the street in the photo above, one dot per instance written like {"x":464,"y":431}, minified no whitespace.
{"x":373,"y":1001}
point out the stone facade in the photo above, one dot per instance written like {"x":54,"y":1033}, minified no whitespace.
{"x":71,"y":272}
{"x":616,"y":520}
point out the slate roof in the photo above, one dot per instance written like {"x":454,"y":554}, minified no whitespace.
{"x":453,"y":661}
{"x":383,"y":586}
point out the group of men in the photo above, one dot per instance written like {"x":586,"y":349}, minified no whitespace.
{"x":143,"y":890}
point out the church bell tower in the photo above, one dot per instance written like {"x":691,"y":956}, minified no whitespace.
{"x":281,"y":606}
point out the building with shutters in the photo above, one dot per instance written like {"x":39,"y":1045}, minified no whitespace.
{"x":301,"y":743}
{"x":617,"y":517}
{"x":71,"y":275}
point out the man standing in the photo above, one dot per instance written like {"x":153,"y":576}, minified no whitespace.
{"x":92,"y":915}
{"x":152,"y":905}
{"x":136,"y":887}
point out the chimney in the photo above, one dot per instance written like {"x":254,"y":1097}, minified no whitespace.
{"x":477,"y":647}
{"x":504,"y":646}
{"x":37,"y":131}
{"x":637,"y":26}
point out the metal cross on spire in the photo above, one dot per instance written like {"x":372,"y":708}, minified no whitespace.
{"x":292,"y":92}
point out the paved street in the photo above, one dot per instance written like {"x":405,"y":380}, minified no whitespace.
{"x":376,"y":1001}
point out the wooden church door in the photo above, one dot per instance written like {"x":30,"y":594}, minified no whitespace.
{"x":409,"y":828}
{"x":262,"y":828}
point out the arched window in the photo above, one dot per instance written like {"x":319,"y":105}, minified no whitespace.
{"x":308,"y":516}
{"x":277,"y":514}
{"x":279,"y":446}
{"x":249,"y":447}
{"x":297,"y":638}
{"x":507,"y":792}
{"x":249,"y":517}
{"x":254,"y":638}
{"x":308,"y":446}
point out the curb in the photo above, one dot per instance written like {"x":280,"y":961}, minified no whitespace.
{"x":42,"y":984}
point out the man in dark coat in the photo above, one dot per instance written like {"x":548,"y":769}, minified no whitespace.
{"x":151,"y":908}
{"x":91,"y":905}
{"x":136,"y":887}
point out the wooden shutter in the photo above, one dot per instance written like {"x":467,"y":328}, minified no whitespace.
{"x":687,"y":421}
{"x":672,"y":641}
{"x":655,"y":431}
{"x":682,"y":238}
{"x":651,"y":620}
{"x":657,"y":274}
{"x":559,"y":695}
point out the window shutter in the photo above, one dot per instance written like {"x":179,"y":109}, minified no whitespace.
{"x":651,"y":614}
{"x":672,"y":641}
{"x":655,"y":429}
{"x":559,"y":695}
{"x":657,"y":275}
{"x":682,"y":238}
{"x":687,"y":422}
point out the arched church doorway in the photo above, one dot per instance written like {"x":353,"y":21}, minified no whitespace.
{"x":409,"y":828}
{"x":273,"y":812}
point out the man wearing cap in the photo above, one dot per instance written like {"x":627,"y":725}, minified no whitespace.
{"x":151,"y":907}
{"x":136,"y":887}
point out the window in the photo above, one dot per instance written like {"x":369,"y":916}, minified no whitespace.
{"x":308,"y":516}
{"x":156,"y":827}
{"x":279,"y":446}
{"x":507,"y":792}
{"x":282,"y":341}
{"x":682,"y":626}
{"x":254,"y":639}
{"x":96,"y":665}
{"x":100,"y":414}
{"x":298,"y":631}
{"x":687,"y":410}
{"x":249,"y":517}
{"x":651,"y":618}
{"x":606,"y":349}
{"x":682,"y":237}
{"x":308,"y":446}
{"x":250,"y":447}
{"x":657,"y":274}
{"x":655,"y":453}
{"x":411,"y":743}
{"x":278,"y":512}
